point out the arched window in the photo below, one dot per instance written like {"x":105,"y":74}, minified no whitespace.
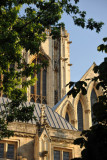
{"x":80,"y":116}
{"x":38,"y":91}
{"x":67,"y":116}
{"x":93,"y":101}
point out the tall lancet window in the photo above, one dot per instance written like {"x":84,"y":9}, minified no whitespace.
{"x":80,"y":116}
{"x":93,"y":101}
{"x":38,"y":91}
{"x":67,"y":116}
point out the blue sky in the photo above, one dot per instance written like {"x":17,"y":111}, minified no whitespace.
{"x":83,"y":49}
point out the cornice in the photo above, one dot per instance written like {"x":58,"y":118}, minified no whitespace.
{"x":18,"y":134}
{"x":61,"y":140}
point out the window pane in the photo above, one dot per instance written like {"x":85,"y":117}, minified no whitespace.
{"x":56,"y":96}
{"x":32,"y":100}
{"x":1,"y":150}
{"x":10,"y":151}
{"x":67,"y":117}
{"x":65,"y":155}
{"x":32,"y":89}
{"x":44,"y":83}
{"x":93,"y":101}
{"x":38,"y":84}
{"x":56,"y":155}
{"x":38,"y":101}
{"x":80,"y":116}
{"x":44,"y":102}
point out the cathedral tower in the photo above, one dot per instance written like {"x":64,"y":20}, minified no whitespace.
{"x":50,"y":86}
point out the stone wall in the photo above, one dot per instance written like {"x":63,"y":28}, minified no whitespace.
{"x":33,"y":143}
{"x":69,"y":104}
{"x":58,"y":71}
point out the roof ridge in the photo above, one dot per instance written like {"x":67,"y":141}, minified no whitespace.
{"x":92,"y":66}
{"x":62,"y":118}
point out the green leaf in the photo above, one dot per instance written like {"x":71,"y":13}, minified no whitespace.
{"x":105,"y":39}
{"x":70,"y":84}
{"x":100,"y":47}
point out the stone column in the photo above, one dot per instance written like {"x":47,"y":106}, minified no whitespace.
{"x":50,"y":149}
{"x":45,"y":149}
{"x":74,"y":123}
{"x":87,"y":119}
{"x":40,"y":148}
{"x":36,"y":147}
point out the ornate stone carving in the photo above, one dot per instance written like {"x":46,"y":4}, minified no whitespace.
{"x":87,"y":111}
{"x":56,"y":65}
{"x":63,"y":58}
{"x":73,"y":121}
{"x":43,"y":154}
{"x":18,"y":134}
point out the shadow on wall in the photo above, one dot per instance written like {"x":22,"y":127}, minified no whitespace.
{"x":26,"y":152}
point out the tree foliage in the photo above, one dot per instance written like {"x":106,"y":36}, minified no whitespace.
{"x":103,"y":47}
{"x":26,"y":32}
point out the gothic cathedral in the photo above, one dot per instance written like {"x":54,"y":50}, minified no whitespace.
{"x":60,"y":119}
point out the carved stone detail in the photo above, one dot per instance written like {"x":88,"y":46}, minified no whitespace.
{"x":87,"y":111}
{"x":17,"y":134}
{"x":73,"y":121}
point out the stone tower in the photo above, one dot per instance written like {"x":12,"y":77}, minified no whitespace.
{"x":50,"y":87}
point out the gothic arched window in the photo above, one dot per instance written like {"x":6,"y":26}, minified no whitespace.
{"x":93,"y":101}
{"x":80,"y":116}
{"x":38,"y":91}
{"x":67,"y":116}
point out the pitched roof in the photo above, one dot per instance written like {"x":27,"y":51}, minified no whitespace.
{"x":88,"y":71}
{"x":53,"y":119}
{"x":82,"y":79}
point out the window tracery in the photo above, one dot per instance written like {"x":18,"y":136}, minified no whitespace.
{"x":38,"y":90}
{"x":67,"y":116}
{"x":80,"y":116}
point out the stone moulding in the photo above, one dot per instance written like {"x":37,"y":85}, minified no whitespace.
{"x":44,"y":154}
{"x":55,"y":139}
{"x":17,"y":134}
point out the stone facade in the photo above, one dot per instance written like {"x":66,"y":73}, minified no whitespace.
{"x":33,"y":145}
{"x":69,"y":104}
{"x":58,"y":71}
{"x":45,"y":141}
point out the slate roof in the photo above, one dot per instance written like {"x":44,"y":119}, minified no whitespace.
{"x":53,"y":119}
